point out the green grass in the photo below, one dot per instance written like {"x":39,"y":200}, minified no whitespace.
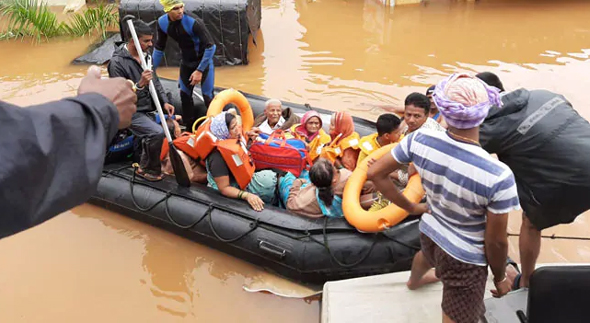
{"x":34,"y":19}
{"x":99,"y":18}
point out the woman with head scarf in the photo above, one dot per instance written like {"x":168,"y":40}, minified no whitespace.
{"x":343,"y":149}
{"x":311,"y":132}
{"x":261,"y":188}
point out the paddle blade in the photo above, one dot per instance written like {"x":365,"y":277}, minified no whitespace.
{"x":178,"y":166}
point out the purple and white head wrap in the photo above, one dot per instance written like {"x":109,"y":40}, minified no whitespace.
{"x":219,"y":127}
{"x":465,"y":100}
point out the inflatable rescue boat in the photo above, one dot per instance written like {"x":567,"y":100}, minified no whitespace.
{"x":302,"y":249}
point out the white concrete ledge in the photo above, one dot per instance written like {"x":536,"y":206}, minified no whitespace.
{"x":385,"y":298}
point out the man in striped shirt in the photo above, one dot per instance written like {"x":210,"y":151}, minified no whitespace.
{"x":469,"y":195}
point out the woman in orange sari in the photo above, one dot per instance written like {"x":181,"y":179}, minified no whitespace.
{"x":344,"y":149}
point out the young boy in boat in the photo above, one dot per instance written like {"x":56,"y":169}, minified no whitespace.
{"x":389,"y":131}
{"x":469,"y":194}
{"x":126,"y":63}
{"x":196,"y":49}
{"x":545,"y":142}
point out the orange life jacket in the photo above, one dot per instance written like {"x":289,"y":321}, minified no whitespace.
{"x":316,"y":145}
{"x":335,"y":150}
{"x":186,"y":142}
{"x":233,"y":151}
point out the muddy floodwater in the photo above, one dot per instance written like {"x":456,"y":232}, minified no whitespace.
{"x":92,"y":265}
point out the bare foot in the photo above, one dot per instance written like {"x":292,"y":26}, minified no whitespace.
{"x":428,"y":278}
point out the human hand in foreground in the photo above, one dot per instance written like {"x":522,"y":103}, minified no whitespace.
{"x":117,"y":90}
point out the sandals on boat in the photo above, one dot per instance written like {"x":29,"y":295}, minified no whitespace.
{"x":147,"y":176}
{"x":516,"y":282}
{"x":509,"y":261}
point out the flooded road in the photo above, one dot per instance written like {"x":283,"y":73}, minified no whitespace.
{"x":92,"y":265}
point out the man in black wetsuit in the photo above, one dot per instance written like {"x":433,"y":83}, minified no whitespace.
{"x":197,"y":50}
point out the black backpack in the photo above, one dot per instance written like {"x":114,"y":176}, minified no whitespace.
{"x":121,"y":147}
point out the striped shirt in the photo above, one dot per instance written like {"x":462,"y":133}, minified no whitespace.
{"x":462,"y":181}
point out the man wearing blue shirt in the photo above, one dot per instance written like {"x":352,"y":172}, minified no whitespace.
{"x":469,"y":195}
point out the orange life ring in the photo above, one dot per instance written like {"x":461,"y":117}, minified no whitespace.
{"x":232,"y":96}
{"x":378,"y":220}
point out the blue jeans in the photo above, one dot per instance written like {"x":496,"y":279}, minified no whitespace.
{"x":151,"y":136}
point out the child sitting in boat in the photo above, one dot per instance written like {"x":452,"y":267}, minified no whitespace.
{"x":222,"y":174}
{"x":343,"y":149}
{"x":318,"y":193}
{"x":389,"y":131}
{"x":311,"y":132}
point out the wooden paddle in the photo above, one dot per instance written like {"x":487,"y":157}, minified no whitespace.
{"x":179,"y":170}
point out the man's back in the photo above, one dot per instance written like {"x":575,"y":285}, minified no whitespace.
{"x":462,"y":183}
{"x":541,"y":137}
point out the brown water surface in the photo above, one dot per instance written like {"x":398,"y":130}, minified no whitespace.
{"x":92,"y":265}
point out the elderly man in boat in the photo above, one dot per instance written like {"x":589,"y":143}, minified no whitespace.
{"x":545,"y":142}
{"x":469,"y":196}
{"x":274,"y":117}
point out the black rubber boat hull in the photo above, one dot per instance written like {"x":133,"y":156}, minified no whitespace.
{"x":306,"y":250}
